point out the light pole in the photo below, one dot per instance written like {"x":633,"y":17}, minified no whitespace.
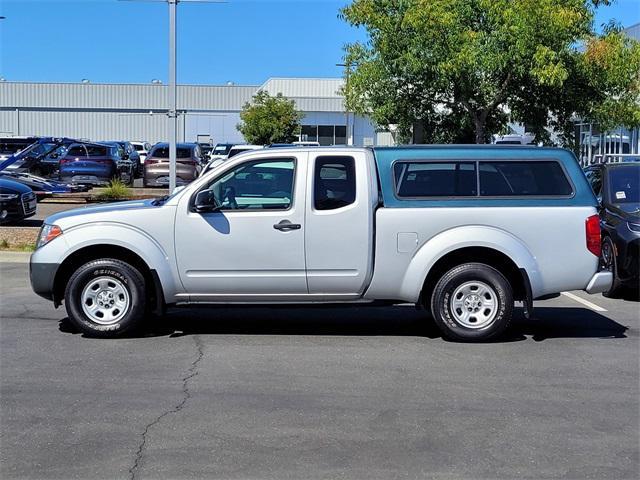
{"x":172,"y":109}
{"x":347,"y":67}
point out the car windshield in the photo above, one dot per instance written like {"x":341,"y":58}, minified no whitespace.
{"x":138,"y":147}
{"x":222,"y":149}
{"x":235,"y":151}
{"x":89,"y":151}
{"x":163,"y":152}
{"x":624,"y":184}
{"x":8,"y":147}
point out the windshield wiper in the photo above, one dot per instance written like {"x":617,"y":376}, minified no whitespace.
{"x":160,"y":200}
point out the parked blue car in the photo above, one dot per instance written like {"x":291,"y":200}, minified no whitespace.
{"x":95,"y":164}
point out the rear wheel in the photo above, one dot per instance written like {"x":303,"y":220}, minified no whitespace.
{"x":105,"y":298}
{"x":472,"y":302}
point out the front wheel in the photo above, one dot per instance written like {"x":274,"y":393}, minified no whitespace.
{"x":609,"y":263}
{"x":105,"y":298}
{"x":472,"y":302}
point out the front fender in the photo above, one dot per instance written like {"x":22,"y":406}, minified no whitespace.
{"x":121,"y":235}
{"x":468,"y":236}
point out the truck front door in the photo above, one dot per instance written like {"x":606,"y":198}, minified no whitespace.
{"x":252,"y":247}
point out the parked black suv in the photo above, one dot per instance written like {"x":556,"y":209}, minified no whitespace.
{"x":617,"y":186}
{"x":17,"y":201}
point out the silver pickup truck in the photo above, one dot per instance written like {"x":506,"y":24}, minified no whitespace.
{"x":462,"y":231}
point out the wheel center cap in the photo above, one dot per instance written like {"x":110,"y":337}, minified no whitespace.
{"x":473,"y":303}
{"x":105,"y":299}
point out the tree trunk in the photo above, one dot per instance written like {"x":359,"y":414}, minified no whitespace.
{"x":418,"y":132}
{"x":479,"y":128}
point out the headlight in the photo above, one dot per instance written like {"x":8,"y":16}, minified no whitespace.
{"x":48,"y":233}
{"x":8,"y":196}
{"x":634,"y":227}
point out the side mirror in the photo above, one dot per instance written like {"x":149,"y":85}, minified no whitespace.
{"x":206,"y":202}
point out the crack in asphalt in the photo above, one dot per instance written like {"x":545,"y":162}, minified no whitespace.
{"x":186,"y":394}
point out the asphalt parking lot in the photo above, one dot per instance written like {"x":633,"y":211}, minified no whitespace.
{"x":355,"y":393}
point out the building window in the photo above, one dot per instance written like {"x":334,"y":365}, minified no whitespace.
{"x":341,"y":135}
{"x":309,"y":133}
{"x":324,"y":134}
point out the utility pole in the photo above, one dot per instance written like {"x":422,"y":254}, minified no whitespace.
{"x":348,"y":127}
{"x":172,"y":109}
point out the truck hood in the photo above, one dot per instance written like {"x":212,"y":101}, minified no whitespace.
{"x":96,"y":213}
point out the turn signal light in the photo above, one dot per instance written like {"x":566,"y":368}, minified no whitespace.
{"x":592,"y":228}
{"x":48,"y":233}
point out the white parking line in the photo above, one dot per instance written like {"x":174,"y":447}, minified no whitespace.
{"x":586,"y":303}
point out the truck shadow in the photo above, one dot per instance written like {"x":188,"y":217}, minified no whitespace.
{"x":548,"y":322}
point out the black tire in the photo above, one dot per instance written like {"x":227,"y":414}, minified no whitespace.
{"x":121,"y":274}
{"x":610,"y":263}
{"x":499,"y":293}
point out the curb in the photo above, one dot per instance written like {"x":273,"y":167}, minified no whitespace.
{"x":14,"y":257}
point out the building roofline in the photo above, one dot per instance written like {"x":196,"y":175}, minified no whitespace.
{"x":129,"y":84}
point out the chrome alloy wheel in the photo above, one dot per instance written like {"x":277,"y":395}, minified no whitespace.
{"x":474,"y":304}
{"x":105,"y":300}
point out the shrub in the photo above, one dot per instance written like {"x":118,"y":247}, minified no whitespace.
{"x":117,"y":190}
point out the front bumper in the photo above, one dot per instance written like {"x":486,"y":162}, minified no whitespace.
{"x":42,"y":277}
{"x":600,"y":282}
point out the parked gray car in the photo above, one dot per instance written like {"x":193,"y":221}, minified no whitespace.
{"x":188,"y":165}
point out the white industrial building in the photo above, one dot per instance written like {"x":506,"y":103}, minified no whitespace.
{"x":138,"y":111}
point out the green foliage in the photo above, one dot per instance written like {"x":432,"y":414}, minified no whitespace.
{"x":452,"y":66}
{"x":117,"y":190}
{"x":269,"y":119}
{"x":17,"y":247}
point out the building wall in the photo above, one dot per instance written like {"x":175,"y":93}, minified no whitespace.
{"x":138,"y":112}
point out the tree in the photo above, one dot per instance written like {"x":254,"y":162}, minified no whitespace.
{"x":459,"y":70}
{"x":269,"y":119}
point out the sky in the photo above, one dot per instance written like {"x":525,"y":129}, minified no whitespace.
{"x":240,"y":41}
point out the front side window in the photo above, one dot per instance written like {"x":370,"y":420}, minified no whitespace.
{"x":523,"y":179}
{"x":256,"y":185}
{"x":334,"y":182}
{"x":435,"y":179}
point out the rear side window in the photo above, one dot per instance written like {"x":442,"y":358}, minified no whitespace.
{"x":334,"y":182}
{"x":435,"y":179}
{"x":544,"y":178}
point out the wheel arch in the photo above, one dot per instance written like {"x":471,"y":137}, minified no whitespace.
{"x":480,"y":244}
{"x":153,"y":286}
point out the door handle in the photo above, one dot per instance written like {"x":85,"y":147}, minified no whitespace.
{"x":286,"y":225}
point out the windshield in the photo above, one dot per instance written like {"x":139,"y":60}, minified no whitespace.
{"x":222,"y":149}
{"x":8,"y":147}
{"x":88,"y":151}
{"x":235,"y":151}
{"x":624,"y":184}
{"x":163,"y":152}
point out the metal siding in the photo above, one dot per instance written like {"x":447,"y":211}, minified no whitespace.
{"x":114,"y":111}
{"x":304,"y":87}
{"x":102,"y":96}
